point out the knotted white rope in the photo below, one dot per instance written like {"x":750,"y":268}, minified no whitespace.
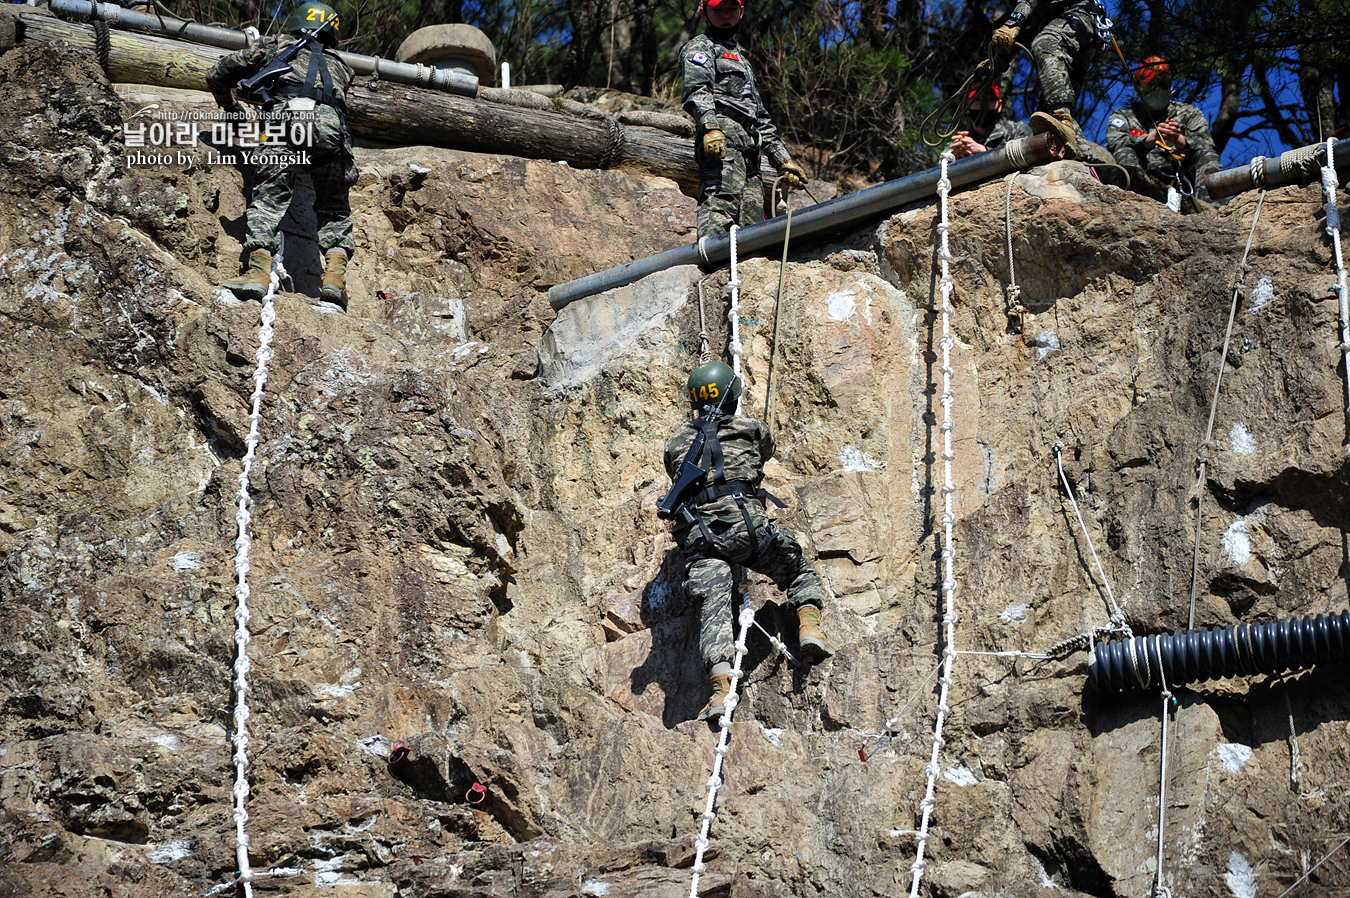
{"x":1015,"y":306}
{"x":1160,"y":890}
{"x":947,"y":341}
{"x":715,"y":781}
{"x":1329,"y":186}
{"x":1213,"y":405}
{"x":1118,"y":623}
{"x":734,"y":316}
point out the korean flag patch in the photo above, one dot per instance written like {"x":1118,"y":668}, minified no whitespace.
{"x":699,"y":59}
{"x":1117,"y":122}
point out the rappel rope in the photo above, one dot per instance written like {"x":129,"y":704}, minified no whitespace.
{"x":1014,"y":292}
{"x":1118,"y":623}
{"x":947,"y":341}
{"x":1160,"y":890}
{"x":777,"y":313}
{"x":1213,"y":406}
{"x":243,"y":543}
{"x":747,"y":617}
{"x":734,"y":315}
{"x":1329,"y":187}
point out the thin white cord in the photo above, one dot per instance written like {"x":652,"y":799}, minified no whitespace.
{"x":734,"y":316}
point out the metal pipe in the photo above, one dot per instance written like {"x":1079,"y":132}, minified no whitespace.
{"x":413,"y":74}
{"x":1287,"y":168}
{"x":819,"y":220}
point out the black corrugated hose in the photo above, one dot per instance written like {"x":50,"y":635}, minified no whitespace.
{"x":1146,"y":662}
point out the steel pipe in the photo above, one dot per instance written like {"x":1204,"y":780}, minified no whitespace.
{"x":1275,"y":171}
{"x":416,"y":75}
{"x":822,"y":219}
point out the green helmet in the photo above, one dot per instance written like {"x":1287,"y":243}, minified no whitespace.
{"x":315,"y":17}
{"x":714,"y":384}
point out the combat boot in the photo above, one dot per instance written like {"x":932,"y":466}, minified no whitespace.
{"x":809,"y":635}
{"x":721,"y":687}
{"x":256,"y":279}
{"x":1062,"y":124}
{"x":334,"y":287}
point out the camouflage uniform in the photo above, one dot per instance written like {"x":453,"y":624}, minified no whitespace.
{"x":720,"y":92}
{"x":1151,"y":170}
{"x":772,"y":551}
{"x":1066,"y":42}
{"x":331,"y":167}
{"x":1005,"y":132}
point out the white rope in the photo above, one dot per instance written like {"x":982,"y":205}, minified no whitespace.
{"x":715,"y":781}
{"x":944,"y":186}
{"x":1329,"y":185}
{"x":1015,"y":306}
{"x":1295,"y":761}
{"x":734,"y":316}
{"x":1160,"y":890}
{"x":1325,"y":858}
{"x":1117,"y":616}
{"x":244,"y":542}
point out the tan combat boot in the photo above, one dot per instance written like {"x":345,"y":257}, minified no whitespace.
{"x":809,"y":635}
{"x":1061,"y":123}
{"x":721,"y":687}
{"x":335,"y":278}
{"x":256,"y":279}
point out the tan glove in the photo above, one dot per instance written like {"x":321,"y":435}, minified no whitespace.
{"x":1003,"y":40}
{"x":792,"y":172}
{"x":715,"y":144}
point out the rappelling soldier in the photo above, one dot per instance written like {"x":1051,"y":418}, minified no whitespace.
{"x":304,"y":89}
{"x":988,"y":130}
{"x":1135,"y":136}
{"x":731,"y":126}
{"x":1068,"y":35}
{"x":716,"y":507}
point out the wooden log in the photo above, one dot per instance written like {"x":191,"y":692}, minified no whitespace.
{"x":403,"y":114}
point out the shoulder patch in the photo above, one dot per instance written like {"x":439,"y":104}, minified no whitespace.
{"x":1135,"y":132}
{"x":1117,"y":122}
{"x":727,"y":54}
{"x":699,"y":59}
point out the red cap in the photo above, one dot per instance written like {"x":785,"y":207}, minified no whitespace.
{"x":1155,"y":67}
{"x":716,"y":3}
{"x":992,"y":88}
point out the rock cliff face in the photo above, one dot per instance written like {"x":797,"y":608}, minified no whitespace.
{"x":455,"y":546}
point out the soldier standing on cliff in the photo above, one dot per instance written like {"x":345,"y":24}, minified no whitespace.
{"x":1068,"y":34}
{"x":1133,"y":133}
{"x":732,"y":127}
{"x":719,"y":520}
{"x":311,"y":92}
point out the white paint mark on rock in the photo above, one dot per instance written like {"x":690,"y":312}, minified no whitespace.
{"x":1241,"y":439}
{"x":853,"y":459}
{"x":1262,"y":294}
{"x":842,"y":305}
{"x":1015,"y":614}
{"x":186,"y":561}
{"x":773,"y":734}
{"x":174,"y":851}
{"x":168,"y":740}
{"x":1046,"y":343}
{"x":594,"y":886}
{"x":1241,"y":878}
{"x":960,"y":774}
{"x":1237,"y":542}
{"x":1233,"y":756}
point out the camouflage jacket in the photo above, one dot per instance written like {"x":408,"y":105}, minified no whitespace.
{"x":718,"y":83}
{"x":1032,"y":14}
{"x":1006,"y":131}
{"x":746,"y":445}
{"x":1126,"y":130}
{"x":245,"y":63}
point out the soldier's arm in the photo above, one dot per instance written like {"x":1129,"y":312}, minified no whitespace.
{"x":766,"y":442}
{"x":1023,"y":11}
{"x":1127,"y":149}
{"x":230,"y":70}
{"x":699,"y":83}
{"x":768,"y":134}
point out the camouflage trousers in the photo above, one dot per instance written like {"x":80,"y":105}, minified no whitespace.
{"x":730,"y":190}
{"x":708,"y":575}
{"x":333,"y":171}
{"x":1064,"y":50}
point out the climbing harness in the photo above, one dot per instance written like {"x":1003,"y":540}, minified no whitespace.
{"x":243,"y":544}
{"x":1213,"y":406}
{"x":1141,"y":662}
{"x":949,"y":618}
{"x":747,"y":617}
{"x":1329,"y":187}
{"x":1118,"y":623}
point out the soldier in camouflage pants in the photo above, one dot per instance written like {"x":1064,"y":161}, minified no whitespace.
{"x":310,"y":105}
{"x":1132,"y":136}
{"x":724,"y":523}
{"x":732,"y":126}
